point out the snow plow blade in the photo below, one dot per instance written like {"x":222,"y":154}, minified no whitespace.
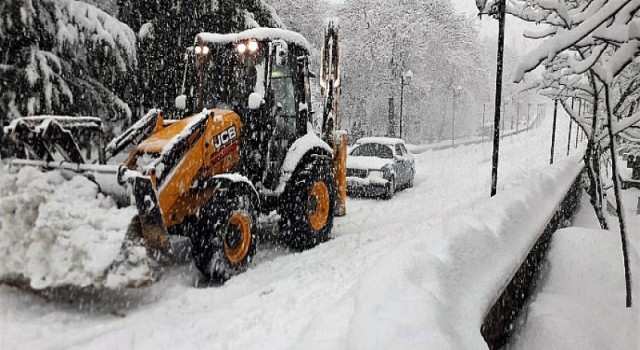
{"x":148,"y":226}
{"x":51,"y":153}
{"x":131,"y":256}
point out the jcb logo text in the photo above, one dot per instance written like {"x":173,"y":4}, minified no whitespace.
{"x":223,"y":138}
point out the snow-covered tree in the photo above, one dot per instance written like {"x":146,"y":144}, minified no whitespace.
{"x":303,"y":16}
{"x":165,"y":28}
{"x":588,"y":48}
{"x":384,"y":39}
{"x":62,"y":57}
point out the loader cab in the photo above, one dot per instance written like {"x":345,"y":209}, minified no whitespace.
{"x":224,"y":70}
{"x":262,"y":75}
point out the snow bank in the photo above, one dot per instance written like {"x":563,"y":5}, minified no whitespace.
{"x":581,"y":305}
{"x":57,"y":232}
{"x":434,"y":295}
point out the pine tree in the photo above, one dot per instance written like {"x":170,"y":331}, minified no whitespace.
{"x":62,"y":57}
{"x":167,"y":27}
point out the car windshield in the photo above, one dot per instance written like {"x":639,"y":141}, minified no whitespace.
{"x":373,"y":150}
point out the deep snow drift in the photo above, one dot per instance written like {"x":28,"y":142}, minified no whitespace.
{"x":56,"y":231}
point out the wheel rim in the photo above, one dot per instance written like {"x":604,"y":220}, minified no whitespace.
{"x":237,"y":239}
{"x":318,"y":205}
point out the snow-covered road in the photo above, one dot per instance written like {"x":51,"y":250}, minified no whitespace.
{"x":286,"y":300}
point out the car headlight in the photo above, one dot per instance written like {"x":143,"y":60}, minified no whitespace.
{"x":386,"y":172}
{"x":375,"y":174}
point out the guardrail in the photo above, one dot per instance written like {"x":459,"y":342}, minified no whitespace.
{"x":499,"y":322}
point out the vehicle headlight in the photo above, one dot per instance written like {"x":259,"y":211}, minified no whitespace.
{"x":375,"y":174}
{"x":242,"y":48}
{"x":386,"y":173}
{"x":201,"y":50}
{"x":252,"y":46}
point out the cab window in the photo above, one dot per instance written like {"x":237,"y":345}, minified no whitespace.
{"x":283,"y":90}
{"x":285,"y":102}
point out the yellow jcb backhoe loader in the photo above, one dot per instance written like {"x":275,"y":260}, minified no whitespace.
{"x":243,"y":150}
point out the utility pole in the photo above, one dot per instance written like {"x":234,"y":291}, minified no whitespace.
{"x":553,"y":133}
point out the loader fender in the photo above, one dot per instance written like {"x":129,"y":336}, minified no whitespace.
{"x":306,"y":146}
{"x":236,"y":180}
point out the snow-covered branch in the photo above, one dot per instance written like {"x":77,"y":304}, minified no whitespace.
{"x":573,"y":36}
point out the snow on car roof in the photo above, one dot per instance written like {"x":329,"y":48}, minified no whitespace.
{"x":380,"y":140}
{"x":260,"y":34}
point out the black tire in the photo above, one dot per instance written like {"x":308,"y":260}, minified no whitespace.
{"x":413,"y":175}
{"x":390,"y":189}
{"x":223,"y":247}
{"x":307,"y":205}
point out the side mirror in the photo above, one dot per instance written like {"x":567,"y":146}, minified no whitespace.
{"x":282,"y":51}
{"x":255,"y":101}
{"x":181,"y":103}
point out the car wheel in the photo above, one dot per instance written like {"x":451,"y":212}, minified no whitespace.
{"x":390,"y":190}
{"x":413,"y":175}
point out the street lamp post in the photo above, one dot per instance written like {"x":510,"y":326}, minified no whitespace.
{"x":553,"y":132}
{"x":405,"y":80}
{"x":498,"y":11}
{"x":456,"y":94}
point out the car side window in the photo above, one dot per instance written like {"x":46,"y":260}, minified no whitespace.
{"x":399,"y":152}
{"x":404,"y":150}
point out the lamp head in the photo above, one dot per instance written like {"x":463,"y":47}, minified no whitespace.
{"x":408,"y":76}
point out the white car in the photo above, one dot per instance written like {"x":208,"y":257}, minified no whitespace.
{"x":379,"y":166}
